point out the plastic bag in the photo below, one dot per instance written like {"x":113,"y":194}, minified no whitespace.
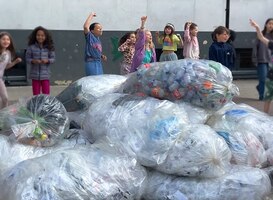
{"x":81,"y":93}
{"x":247,"y":132}
{"x":203,"y":83}
{"x":239,"y":183}
{"x":199,"y":152}
{"x":95,"y":172}
{"x":12,"y":153}
{"x":40,"y":121}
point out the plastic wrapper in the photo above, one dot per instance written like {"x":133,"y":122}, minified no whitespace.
{"x":159,"y":134}
{"x":40,"y":121}
{"x":239,"y":183}
{"x":200,"y":152}
{"x":204,"y":83}
{"x":12,"y":153}
{"x":247,"y":132}
{"x":81,"y":93}
{"x":96,"y":172}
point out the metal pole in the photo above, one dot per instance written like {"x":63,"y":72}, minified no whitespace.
{"x":227,"y":12}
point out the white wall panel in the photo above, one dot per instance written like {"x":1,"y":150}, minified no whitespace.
{"x":125,"y":14}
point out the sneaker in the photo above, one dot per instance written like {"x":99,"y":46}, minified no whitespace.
{"x":261,"y":98}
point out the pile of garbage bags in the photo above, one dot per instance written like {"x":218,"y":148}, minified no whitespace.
{"x":168,"y":131}
{"x":159,"y":133}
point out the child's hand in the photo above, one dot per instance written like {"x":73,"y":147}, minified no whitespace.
{"x":189,"y":24}
{"x":36,"y":61}
{"x":253,"y":23}
{"x":103,"y":57}
{"x":17,"y":60}
{"x":45,"y":61}
{"x":93,"y":14}
{"x":143,"y":18}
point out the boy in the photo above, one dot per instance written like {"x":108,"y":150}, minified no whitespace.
{"x":221,"y":51}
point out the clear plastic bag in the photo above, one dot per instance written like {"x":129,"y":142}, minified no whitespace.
{"x":81,"y":93}
{"x":199,"y":152}
{"x":12,"y":153}
{"x":201,"y":82}
{"x":95,"y":172}
{"x":239,"y":183}
{"x":40,"y":121}
{"x":246,"y":130}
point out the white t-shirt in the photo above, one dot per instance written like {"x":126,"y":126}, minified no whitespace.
{"x":5,"y":58}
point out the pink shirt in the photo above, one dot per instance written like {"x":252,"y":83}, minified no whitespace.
{"x":191,"y":46}
{"x":5,"y":58}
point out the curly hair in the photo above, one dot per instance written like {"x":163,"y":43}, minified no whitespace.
{"x":48,"y":38}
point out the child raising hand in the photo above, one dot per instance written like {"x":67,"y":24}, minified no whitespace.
{"x":144,"y":47}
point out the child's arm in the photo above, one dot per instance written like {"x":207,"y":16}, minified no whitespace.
{"x":10,"y":65}
{"x":88,"y":22}
{"x":125,"y":46}
{"x":213,"y":53}
{"x":259,"y":33}
{"x":187,"y":36}
{"x":181,"y":44}
{"x":140,"y":42}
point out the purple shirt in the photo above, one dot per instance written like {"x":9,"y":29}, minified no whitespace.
{"x":140,"y":52}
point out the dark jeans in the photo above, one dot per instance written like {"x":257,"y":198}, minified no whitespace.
{"x":262,"y":70}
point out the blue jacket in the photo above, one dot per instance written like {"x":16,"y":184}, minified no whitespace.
{"x":223,"y":53}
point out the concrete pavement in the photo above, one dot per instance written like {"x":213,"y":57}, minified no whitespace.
{"x":247,"y":87}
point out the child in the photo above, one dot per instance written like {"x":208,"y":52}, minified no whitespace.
{"x":144,"y":47}
{"x":268,"y":95}
{"x":127,"y":47}
{"x":169,"y":41}
{"x":7,"y":53}
{"x":93,"y":48}
{"x":40,"y":55}
{"x":261,"y":57}
{"x":191,"y":45}
{"x":221,"y":51}
{"x":267,"y":42}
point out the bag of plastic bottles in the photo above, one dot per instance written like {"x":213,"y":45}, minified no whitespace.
{"x":81,"y":93}
{"x":239,"y":183}
{"x":40,"y":121}
{"x":199,"y":152}
{"x":204,"y":83}
{"x":246,"y":130}
{"x":95,"y":172}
